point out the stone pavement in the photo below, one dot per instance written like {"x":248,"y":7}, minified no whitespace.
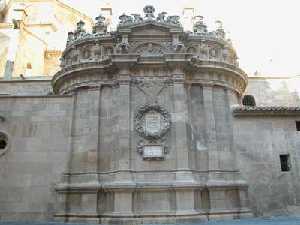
{"x":255,"y":221}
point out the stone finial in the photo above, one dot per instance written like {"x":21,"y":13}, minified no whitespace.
{"x":219,"y":24}
{"x":199,"y":26}
{"x":100,"y":20}
{"x":80,"y":31}
{"x":137,"y":18}
{"x":100,"y":26}
{"x":174,"y":20}
{"x":80,"y":26}
{"x":125,"y":19}
{"x":149,"y":12}
{"x":220,"y":33}
{"x":161,"y":17}
{"x":70,"y":37}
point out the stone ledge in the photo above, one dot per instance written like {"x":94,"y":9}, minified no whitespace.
{"x":34,"y":96}
{"x":265,"y":111}
{"x":131,"y":186}
{"x":28,"y":80}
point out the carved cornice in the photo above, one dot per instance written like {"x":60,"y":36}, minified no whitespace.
{"x":127,"y":28}
{"x":144,"y":42}
{"x":265,"y":111}
{"x":226,"y":74}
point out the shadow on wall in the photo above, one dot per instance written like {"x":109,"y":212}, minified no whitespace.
{"x":275,"y":91}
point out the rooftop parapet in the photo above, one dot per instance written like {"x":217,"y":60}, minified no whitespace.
{"x":150,"y":40}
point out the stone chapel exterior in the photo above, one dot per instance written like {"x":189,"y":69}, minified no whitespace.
{"x":146,"y":124}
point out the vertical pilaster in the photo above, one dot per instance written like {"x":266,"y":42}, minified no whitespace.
{"x":124,"y":154}
{"x":85,"y":132}
{"x":210,"y":127}
{"x":232,"y":100}
{"x":83,"y":161}
{"x":180,"y":121}
{"x":123,"y":200}
{"x":99,"y":131}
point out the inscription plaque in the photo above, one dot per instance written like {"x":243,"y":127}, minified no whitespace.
{"x":153,"y":151}
{"x":153,"y":123}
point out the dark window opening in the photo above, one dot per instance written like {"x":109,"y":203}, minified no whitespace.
{"x":285,"y":163}
{"x":3,"y":141}
{"x":298,"y":125}
{"x":3,"y":144}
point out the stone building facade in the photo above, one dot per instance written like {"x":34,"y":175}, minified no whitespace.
{"x":32,"y":36}
{"x":146,"y":124}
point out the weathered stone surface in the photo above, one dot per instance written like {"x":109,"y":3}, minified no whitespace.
{"x":194,"y":176}
{"x":81,"y":155}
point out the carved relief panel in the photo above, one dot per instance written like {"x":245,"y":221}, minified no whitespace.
{"x":152,"y":121}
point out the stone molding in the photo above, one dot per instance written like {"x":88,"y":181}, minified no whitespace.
{"x":114,"y":186}
{"x":229,"y":179}
{"x":265,"y":111}
{"x":227,"y":76}
{"x":132,"y":45}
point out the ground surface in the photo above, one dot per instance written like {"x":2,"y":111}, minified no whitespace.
{"x":257,"y":221}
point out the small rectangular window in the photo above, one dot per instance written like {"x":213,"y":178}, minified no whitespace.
{"x":298,"y":125}
{"x":285,"y":162}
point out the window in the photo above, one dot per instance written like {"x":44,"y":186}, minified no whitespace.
{"x":3,"y":144}
{"x":285,"y":162}
{"x":298,"y":125}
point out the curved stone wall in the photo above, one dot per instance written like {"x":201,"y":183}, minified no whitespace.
{"x":158,"y":42}
{"x":152,"y":136}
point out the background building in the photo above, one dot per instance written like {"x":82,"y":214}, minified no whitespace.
{"x":33,"y":35}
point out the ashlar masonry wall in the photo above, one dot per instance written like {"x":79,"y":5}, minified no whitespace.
{"x":38,"y":131}
{"x":260,"y":140}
